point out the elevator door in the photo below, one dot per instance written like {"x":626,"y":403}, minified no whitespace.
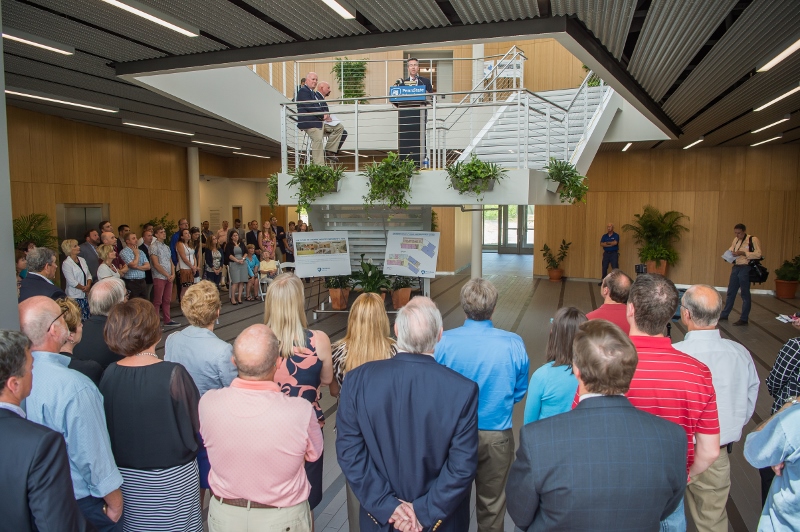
{"x":74,"y":220}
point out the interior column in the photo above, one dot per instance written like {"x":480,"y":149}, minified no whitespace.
{"x":193,"y":162}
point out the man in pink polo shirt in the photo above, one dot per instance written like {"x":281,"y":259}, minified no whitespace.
{"x":258,"y":441}
{"x":615,"y":289}
{"x":670,"y":384}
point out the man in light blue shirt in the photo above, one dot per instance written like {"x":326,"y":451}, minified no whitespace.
{"x":138,"y":265}
{"x":497,"y":361}
{"x":68,"y":402}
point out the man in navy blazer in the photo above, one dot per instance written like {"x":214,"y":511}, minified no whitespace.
{"x":42,"y":270}
{"x":413,"y":75}
{"x":34,"y":471}
{"x":407,"y":433}
{"x":319,"y":125}
{"x":606,"y":465}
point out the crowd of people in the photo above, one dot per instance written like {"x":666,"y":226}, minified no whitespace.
{"x":622,"y":428}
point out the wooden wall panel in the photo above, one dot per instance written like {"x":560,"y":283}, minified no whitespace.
{"x":715,"y":187}
{"x":447,"y":239}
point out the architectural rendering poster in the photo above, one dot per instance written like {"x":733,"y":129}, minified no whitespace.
{"x":321,"y":254}
{"x":411,"y":253}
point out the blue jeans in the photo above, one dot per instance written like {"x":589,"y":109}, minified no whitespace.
{"x":676,"y":521}
{"x":740,"y":278}
{"x":92,"y":509}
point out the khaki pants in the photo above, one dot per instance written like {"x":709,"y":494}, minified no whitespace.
{"x":707,"y":494}
{"x":227,"y":518}
{"x":495,"y":454}
{"x":334,"y":136}
{"x":353,"y":510}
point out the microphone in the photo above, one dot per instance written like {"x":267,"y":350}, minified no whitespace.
{"x":398,"y":82}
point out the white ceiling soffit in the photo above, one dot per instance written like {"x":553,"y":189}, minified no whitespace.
{"x":307,"y":20}
{"x":673,"y":33}
{"x":609,"y":21}
{"x":479,"y":11}
{"x":391,"y":15}
{"x":761,"y":27}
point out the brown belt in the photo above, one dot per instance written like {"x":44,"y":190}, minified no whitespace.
{"x":242,"y":503}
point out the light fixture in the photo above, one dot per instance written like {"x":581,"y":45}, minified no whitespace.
{"x":342,"y":8}
{"x":779,"y":98}
{"x":698,"y":141}
{"x":781,"y":52}
{"x":628,"y":145}
{"x":768,"y":140}
{"x":217,"y":145}
{"x":156,"y":128}
{"x":153,"y":15}
{"x":43,"y":96}
{"x":252,"y":155}
{"x":39,"y":42}
{"x":784,"y":119}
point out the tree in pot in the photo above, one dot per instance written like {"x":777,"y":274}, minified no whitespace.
{"x":656,"y":234}
{"x":401,"y":291}
{"x":570,"y":185}
{"x":554,"y":261}
{"x":314,"y":181}
{"x":371,"y":278}
{"x":786,"y":278}
{"x":474,"y":177}
{"x":389,"y":182}
{"x":339,"y":290}
{"x":34,"y":228}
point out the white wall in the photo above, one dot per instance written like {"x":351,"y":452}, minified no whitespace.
{"x":223,"y":193}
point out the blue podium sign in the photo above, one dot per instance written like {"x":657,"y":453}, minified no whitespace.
{"x":402,"y":93}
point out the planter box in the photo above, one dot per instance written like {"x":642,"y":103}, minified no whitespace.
{"x":491,"y":184}
{"x":661,"y":269}
{"x":339,"y":297}
{"x":785,"y":289}
{"x":555,"y":274}
{"x":400,"y":297}
{"x":552,"y":186}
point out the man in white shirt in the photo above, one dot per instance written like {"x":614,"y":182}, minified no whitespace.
{"x":736,"y":384}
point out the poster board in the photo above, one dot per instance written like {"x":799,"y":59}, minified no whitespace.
{"x":411,"y":253}
{"x":321,"y":253}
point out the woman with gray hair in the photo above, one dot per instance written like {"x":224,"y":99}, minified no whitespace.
{"x":77,"y":276}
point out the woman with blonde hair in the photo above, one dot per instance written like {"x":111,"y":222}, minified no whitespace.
{"x":77,"y":275}
{"x":72,"y":317}
{"x":305,"y":362}
{"x":367,"y":339}
{"x":107,"y":256}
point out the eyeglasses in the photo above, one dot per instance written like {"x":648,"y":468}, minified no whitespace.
{"x":57,"y":318}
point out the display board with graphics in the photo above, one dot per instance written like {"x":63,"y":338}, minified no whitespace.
{"x":321,"y":253}
{"x":411,"y":253}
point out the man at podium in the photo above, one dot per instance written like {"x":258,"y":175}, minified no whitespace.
{"x":412,"y":119}
{"x":413,"y":75}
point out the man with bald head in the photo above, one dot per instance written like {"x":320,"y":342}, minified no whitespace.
{"x":68,"y":402}
{"x":108,"y":238}
{"x":258,"y":481}
{"x":324,"y":89}
{"x":615,"y":289}
{"x":320,"y":124}
{"x":736,"y":383}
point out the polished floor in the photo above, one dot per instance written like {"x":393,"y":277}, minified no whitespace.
{"x":525,"y":306}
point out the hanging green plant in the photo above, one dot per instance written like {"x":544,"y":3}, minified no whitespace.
{"x":474,"y":177}
{"x":312,"y":181}
{"x":572,"y":186}
{"x":389,"y":182}
{"x":34,"y":228}
{"x":350,"y":76}
{"x":272,"y":191}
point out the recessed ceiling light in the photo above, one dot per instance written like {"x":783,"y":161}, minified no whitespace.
{"x":784,"y":119}
{"x":781,"y":52}
{"x":698,"y":141}
{"x":768,"y":140}
{"x":779,"y":98}
{"x":39,"y":42}
{"x":43,"y":96}
{"x":252,"y":155}
{"x":153,"y":15}
{"x":628,"y":145}
{"x":217,"y":145}
{"x":156,"y":128}
{"x":342,"y":8}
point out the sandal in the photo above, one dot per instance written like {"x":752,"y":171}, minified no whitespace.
{"x":234,"y":302}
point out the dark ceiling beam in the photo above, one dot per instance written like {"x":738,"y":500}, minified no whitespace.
{"x":585,"y":38}
{"x":241,"y":4}
{"x":544,"y":8}
{"x":328,"y":47}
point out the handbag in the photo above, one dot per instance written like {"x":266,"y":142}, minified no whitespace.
{"x":186,"y":276}
{"x":758,"y":272}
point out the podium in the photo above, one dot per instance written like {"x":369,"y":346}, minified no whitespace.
{"x":412,"y":118}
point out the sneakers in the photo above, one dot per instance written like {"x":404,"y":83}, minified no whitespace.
{"x":172,"y":323}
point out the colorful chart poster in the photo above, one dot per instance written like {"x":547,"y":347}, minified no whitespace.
{"x":321,"y":254}
{"x":411,"y":253}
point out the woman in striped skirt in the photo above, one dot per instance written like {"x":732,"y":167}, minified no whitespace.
{"x":151,"y":413}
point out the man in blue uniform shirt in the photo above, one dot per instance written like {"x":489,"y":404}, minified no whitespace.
{"x":610,"y":244}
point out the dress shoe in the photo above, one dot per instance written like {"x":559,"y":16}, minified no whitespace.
{"x":738,"y":323}
{"x":723,"y":318}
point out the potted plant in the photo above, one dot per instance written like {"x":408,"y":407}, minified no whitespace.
{"x":474,"y":177}
{"x":657,"y":233}
{"x":34,"y":228}
{"x":786,"y":278}
{"x":554,"y":261}
{"x":371,"y":278}
{"x":350,"y":75}
{"x":389,"y":182}
{"x":272,"y":191}
{"x":401,"y":291}
{"x":169,"y":225}
{"x":314,"y":181}
{"x":339,"y":290}
{"x":565,"y":179}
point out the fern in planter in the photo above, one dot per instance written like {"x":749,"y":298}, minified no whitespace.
{"x":572,"y":186}
{"x":34,"y":228}
{"x":314,"y":181}
{"x":554,"y":261}
{"x":389,"y":182}
{"x":474,"y":177}
{"x":272,"y":191}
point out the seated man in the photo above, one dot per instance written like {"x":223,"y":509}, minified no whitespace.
{"x":317,"y":126}
{"x":605,"y":465}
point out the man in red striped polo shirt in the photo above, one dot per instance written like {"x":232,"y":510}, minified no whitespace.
{"x":668,"y":383}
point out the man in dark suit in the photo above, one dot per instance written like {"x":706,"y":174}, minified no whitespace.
{"x":89,"y":251}
{"x":317,"y":126}
{"x":407,"y":432}
{"x":413,"y":75}
{"x":103,"y":296}
{"x":605,"y":465}
{"x":42,"y":270}
{"x":34,"y":471}
{"x":252,"y":234}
